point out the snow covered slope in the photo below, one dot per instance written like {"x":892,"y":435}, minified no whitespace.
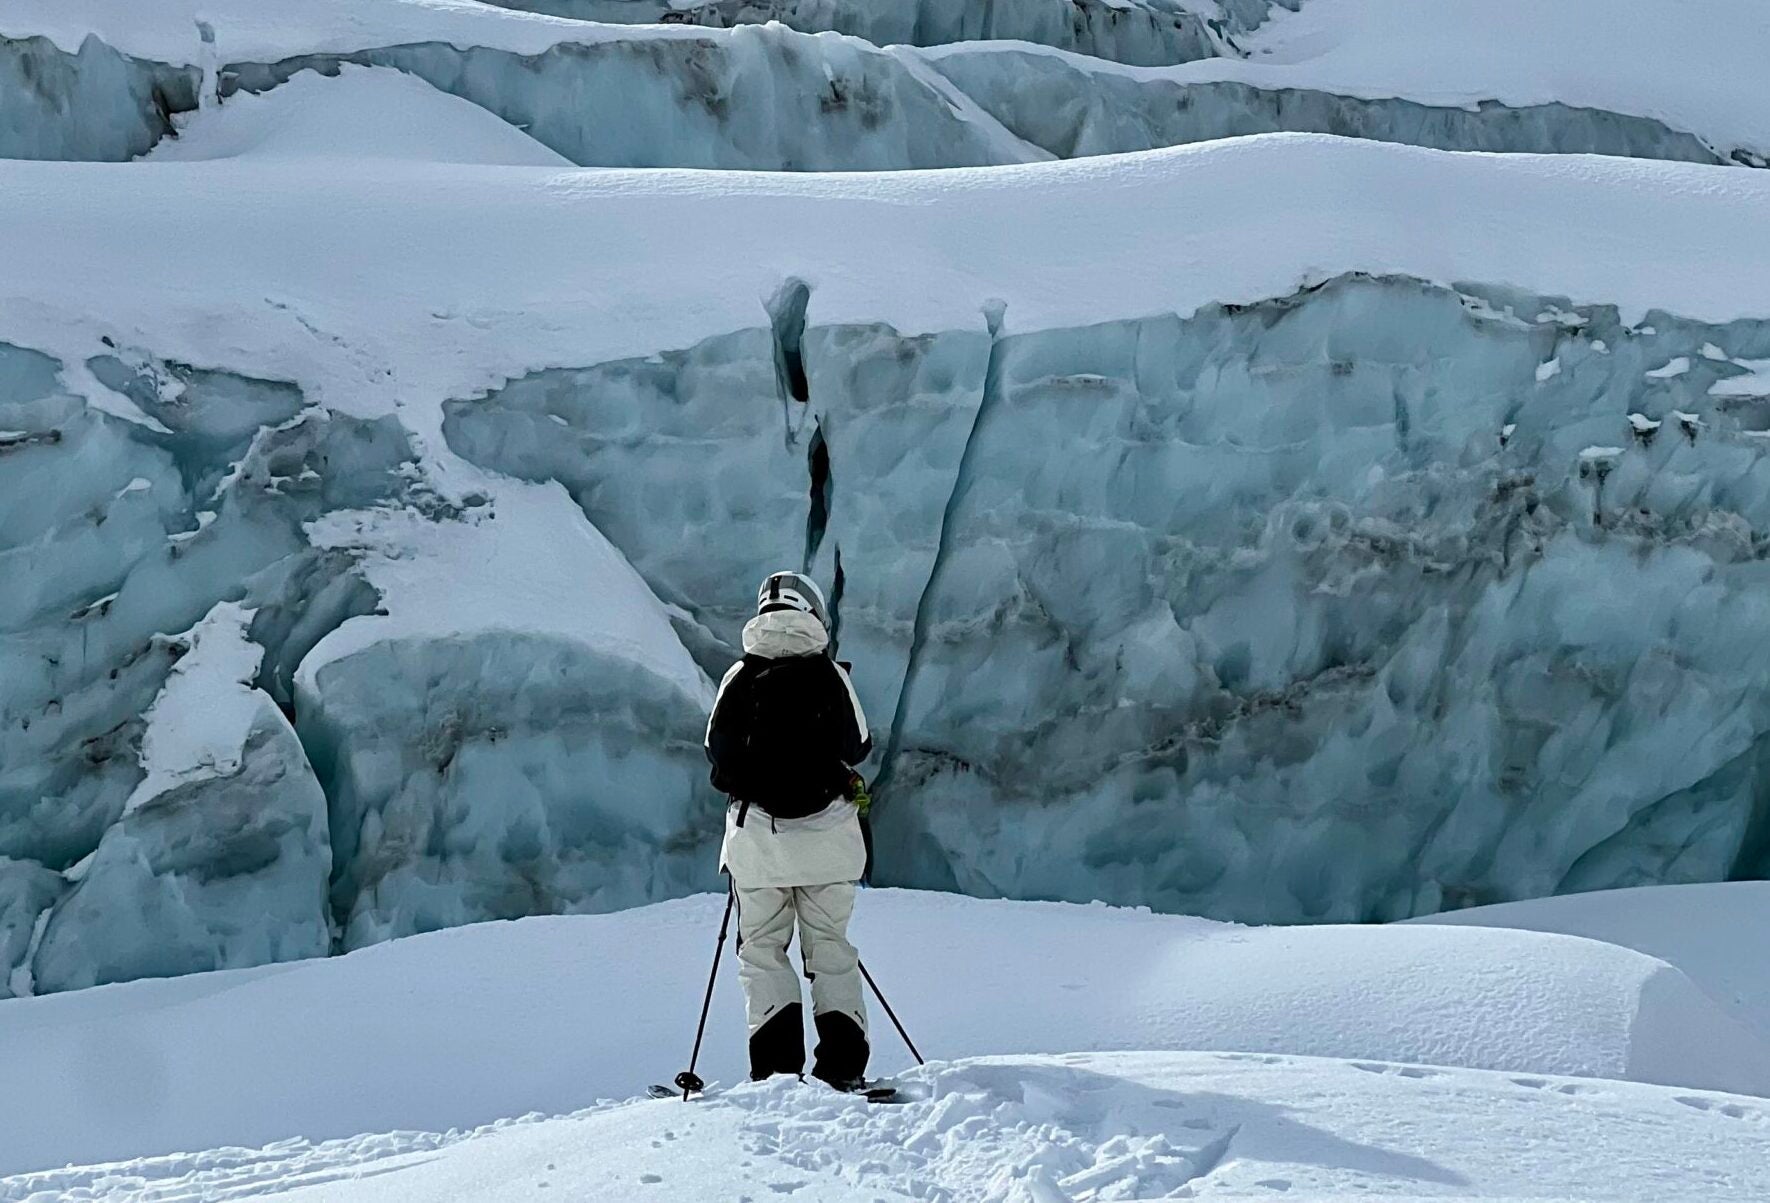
{"x":1037,"y":1130}
{"x":460,"y":1028}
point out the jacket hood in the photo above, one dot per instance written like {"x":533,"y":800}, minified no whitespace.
{"x":784,"y":633}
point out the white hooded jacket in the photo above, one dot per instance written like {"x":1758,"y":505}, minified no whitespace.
{"x":821,"y":848}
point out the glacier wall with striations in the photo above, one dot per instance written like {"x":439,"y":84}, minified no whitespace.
{"x":1360,"y":603}
{"x":121,"y":527}
{"x":93,"y":103}
{"x":754,"y":98}
{"x":1063,"y":105}
{"x":767,"y":97}
{"x":1145,"y":33}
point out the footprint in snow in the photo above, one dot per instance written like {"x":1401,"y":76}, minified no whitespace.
{"x":1404,"y":1071}
{"x":1730,"y":1110}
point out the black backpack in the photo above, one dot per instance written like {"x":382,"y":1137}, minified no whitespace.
{"x":783,"y":735}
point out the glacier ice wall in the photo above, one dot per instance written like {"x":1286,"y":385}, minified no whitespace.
{"x":123,"y":524}
{"x":93,"y":104}
{"x":220,"y":874}
{"x":756,"y":97}
{"x":1072,"y":110}
{"x":653,"y":447}
{"x":1344,"y":606}
{"x":160,"y":817}
{"x":27,"y":892}
{"x":505,"y":774}
{"x":1373,"y":600}
{"x":720,"y":441}
{"x":1145,"y":33}
{"x":1362,"y":602}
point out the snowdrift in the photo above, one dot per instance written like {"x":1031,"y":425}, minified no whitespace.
{"x":463,"y":1027}
{"x":362,"y":113}
{"x":1714,"y":933}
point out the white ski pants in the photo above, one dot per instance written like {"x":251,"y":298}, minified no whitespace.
{"x":765,"y":929}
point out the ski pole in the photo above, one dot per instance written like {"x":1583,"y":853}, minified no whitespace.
{"x":688,"y":1080}
{"x":893,"y":1014}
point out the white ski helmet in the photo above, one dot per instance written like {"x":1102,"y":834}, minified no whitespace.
{"x":793,"y":591}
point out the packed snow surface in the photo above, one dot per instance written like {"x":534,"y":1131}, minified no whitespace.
{"x":1400,"y":1060}
{"x":480,"y":275}
{"x":368,"y":113}
{"x":463,"y":1027}
{"x":1037,"y":1129}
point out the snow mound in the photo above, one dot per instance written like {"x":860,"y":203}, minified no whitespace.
{"x":465,"y":1026}
{"x":362,"y":113}
{"x":1716,"y":933}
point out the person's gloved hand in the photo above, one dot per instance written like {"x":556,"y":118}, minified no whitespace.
{"x":857,"y":794}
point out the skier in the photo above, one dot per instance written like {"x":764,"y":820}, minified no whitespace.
{"x":785,"y":734}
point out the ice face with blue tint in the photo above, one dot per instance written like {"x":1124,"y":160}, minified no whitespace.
{"x":1362,"y":602}
{"x":1313,"y":609}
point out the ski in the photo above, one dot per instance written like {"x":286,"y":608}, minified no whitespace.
{"x":882,"y":1090}
{"x":885,"y":1093}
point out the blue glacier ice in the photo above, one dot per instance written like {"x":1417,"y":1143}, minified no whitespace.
{"x":221,"y":856}
{"x":1377,"y":597}
{"x":123,"y":532}
{"x":1070,"y":107}
{"x":1362,"y":602}
{"x":786,"y":97}
{"x":755,"y":97}
{"x":95,"y":103}
{"x":1145,"y":32}
{"x":515,"y":730}
{"x":1316,"y":609}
